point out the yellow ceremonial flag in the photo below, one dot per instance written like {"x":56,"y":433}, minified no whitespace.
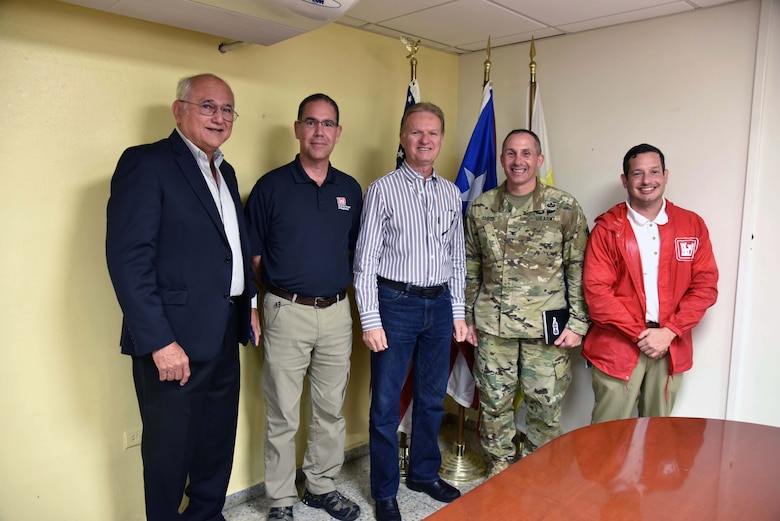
{"x":537,"y":124}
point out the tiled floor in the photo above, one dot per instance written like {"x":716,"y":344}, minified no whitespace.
{"x":354,"y":483}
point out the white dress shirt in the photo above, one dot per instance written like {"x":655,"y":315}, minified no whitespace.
{"x":227,"y":211}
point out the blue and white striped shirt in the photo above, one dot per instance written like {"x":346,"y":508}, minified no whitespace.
{"x":411,"y":231}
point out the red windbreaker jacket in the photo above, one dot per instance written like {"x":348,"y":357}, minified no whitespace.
{"x":614,"y":288}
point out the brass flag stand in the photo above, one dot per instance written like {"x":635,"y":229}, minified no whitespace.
{"x":461,"y":465}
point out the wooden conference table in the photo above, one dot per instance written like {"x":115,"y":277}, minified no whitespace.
{"x":639,"y":469}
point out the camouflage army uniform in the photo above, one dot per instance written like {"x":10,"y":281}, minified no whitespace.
{"x":519,"y":262}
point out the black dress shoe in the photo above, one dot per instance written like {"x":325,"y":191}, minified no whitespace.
{"x":439,"y":490}
{"x":387,"y":510}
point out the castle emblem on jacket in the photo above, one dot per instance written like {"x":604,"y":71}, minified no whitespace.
{"x":685,"y":248}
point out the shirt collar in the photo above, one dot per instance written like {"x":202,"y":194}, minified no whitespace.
{"x":501,"y":203}
{"x":411,"y":174}
{"x":301,"y":176}
{"x":641,"y":220}
{"x":200,"y":154}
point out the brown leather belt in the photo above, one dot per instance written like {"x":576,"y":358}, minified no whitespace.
{"x":652,"y":325}
{"x":317,"y":302}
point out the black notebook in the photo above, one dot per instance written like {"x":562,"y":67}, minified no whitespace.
{"x":554,"y":322}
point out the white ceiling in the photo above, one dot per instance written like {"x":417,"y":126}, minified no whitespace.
{"x":462,"y":26}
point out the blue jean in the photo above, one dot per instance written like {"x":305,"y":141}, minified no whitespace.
{"x":418,"y":331}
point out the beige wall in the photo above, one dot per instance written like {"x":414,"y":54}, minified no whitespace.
{"x":80,"y":86}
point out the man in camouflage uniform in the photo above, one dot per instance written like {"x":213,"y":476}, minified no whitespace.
{"x":525,"y":243}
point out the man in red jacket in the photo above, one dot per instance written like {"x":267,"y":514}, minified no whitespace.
{"x":649,"y":276}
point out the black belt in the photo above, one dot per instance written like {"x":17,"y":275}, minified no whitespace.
{"x":317,"y":302}
{"x":652,"y":325}
{"x":411,"y":289}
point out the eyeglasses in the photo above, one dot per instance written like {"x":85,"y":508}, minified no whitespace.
{"x":209,"y":109}
{"x":313,"y":123}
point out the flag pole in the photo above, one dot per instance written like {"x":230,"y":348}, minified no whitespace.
{"x":403,"y":442}
{"x":461,"y":465}
{"x":412,"y":47}
{"x":413,"y":91}
{"x":486,"y":65}
{"x":413,"y":62}
{"x":532,"y":84}
{"x":520,"y":437}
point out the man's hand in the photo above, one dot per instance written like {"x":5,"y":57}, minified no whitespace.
{"x":472,"y":337}
{"x":655,"y":341}
{"x":172,"y":363}
{"x":255,"y":325}
{"x":460,"y":330}
{"x":568,"y":339}
{"x":375,"y":339}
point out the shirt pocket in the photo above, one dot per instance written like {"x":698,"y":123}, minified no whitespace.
{"x":445,"y":224}
{"x":491,"y":242}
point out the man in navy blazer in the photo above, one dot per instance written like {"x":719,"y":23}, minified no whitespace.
{"x":176,"y":247}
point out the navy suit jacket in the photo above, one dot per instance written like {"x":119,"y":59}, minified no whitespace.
{"x":167,"y":252}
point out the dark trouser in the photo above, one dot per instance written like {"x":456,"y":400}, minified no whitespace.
{"x":418,"y":330}
{"x":190,"y":431}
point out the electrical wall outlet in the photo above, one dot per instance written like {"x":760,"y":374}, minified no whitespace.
{"x":132,"y":438}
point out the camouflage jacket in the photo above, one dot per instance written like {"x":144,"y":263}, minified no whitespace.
{"x":520,"y":262}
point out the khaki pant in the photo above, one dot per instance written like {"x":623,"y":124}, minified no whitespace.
{"x":650,"y":389}
{"x":300,"y":340}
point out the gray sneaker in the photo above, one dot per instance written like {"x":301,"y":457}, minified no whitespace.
{"x":334,"y":503}
{"x":280,"y":514}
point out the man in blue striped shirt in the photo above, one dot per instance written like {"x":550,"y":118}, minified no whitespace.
{"x":409,"y":283}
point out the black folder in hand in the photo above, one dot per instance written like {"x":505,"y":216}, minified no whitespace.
{"x":554,"y":322}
